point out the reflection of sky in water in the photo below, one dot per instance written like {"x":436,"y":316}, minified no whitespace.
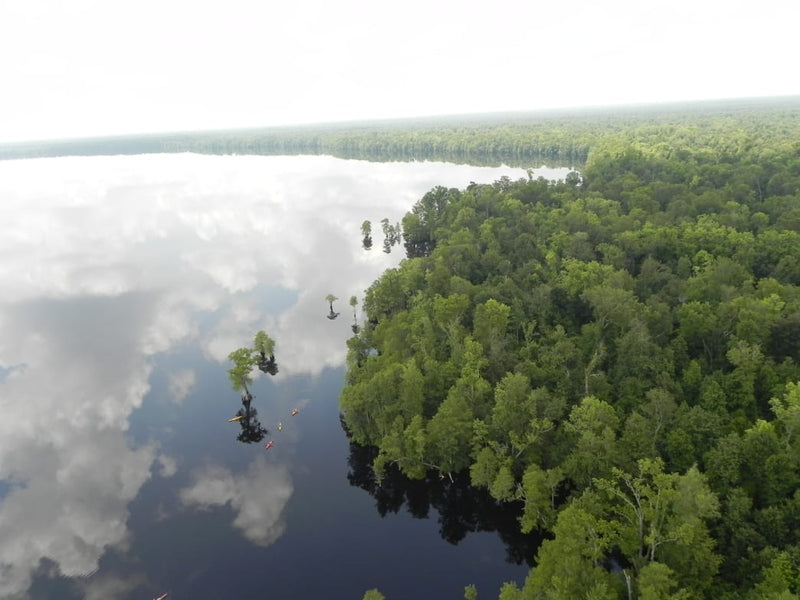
{"x":123,"y":279}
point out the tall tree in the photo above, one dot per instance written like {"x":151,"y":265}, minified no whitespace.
{"x":571,"y":565}
{"x":658,"y":516}
{"x":243,"y":361}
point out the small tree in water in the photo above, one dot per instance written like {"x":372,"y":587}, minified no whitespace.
{"x":366,"y":231}
{"x":239,"y":374}
{"x":265,"y":346}
{"x":354,"y":304}
{"x":330,"y":299}
{"x":391,"y":235}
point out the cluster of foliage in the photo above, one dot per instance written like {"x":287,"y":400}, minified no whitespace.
{"x":618,"y":352}
{"x":261,"y":355}
{"x":366,"y":231}
{"x":392,"y":235}
{"x":517,"y":139}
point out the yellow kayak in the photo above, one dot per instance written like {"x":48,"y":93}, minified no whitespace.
{"x":236,"y":418}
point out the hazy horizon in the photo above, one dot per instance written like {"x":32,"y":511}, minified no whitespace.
{"x":89,"y":68}
{"x":432,"y":118}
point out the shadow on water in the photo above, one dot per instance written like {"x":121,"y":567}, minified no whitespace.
{"x":462,"y":509}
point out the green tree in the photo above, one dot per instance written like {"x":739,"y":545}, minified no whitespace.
{"x":264,"y":344}
{"x":427,"y":215}
{"x":656,"y":581}
{"x":366,"y":232}
{"x":265,"y":347}
{"x":780,"y":579}
{"x":330,"y":299}
{"x":391,"y":235}
{"x":570,"y":565}
{"x":539,"y":489}
{"x":412,"y":391}
{"x":244,"y":362}
{"x":489,"y":328}
{"x":449,"y":434}
{"x":660,"y":516}
{"x":787,"y":412}
{"x":592,"y":425}
{"x":515,"y":418}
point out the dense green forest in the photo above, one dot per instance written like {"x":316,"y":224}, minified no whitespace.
{"x":618,"y":353}
{"x":562,"y":137}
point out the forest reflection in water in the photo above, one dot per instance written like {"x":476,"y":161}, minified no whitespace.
{"x":461,"y":508}
{"x":127,"y":281}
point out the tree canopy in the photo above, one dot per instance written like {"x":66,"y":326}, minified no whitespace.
{"x":618,"y":352}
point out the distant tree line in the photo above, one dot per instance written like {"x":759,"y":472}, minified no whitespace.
{"x":558,"y":138}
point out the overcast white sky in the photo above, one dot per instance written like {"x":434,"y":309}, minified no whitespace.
{"x":74,"y":68}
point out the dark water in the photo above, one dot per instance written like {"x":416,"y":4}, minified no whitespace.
{"x":126,"y":282}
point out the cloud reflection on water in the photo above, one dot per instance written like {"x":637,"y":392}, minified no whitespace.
{"x":63,"y":425}
{"x":258,"y":496}
{"x":181,"y":383}
{"x":201,"y":232}
{"x":106,"y":262}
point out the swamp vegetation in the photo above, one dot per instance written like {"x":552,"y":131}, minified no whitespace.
{"x":617,"y":353}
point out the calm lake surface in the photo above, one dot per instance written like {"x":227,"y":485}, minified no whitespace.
{"x":126,"y":281}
